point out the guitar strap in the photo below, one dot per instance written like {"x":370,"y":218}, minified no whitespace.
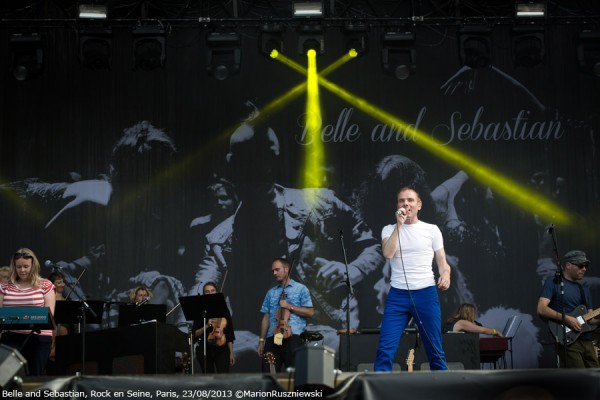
{"x":583,"y":301}
{"x":581,"y":293}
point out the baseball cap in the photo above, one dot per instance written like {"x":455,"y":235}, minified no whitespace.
{"x":576,"y":257}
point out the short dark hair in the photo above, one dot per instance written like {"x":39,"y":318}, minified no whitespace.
{"x":284,"y":261}
{"x":56,"y":275}
{"x":402,"y":189}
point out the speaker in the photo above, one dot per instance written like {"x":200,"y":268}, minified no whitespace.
{"x":314,"y":368}
{"x":12,"y":366}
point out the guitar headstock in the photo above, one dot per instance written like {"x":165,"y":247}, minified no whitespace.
{"x":410,"y":360}
{"x":270,"y":358}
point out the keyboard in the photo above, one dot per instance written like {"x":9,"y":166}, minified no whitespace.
{"x":24,"y":316}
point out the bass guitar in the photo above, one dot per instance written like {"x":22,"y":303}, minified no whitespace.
{"x":581,"y":314}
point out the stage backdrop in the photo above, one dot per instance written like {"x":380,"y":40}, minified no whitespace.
{"x":171,"y":178}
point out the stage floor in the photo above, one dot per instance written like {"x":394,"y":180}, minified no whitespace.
{"x":539,"y":384}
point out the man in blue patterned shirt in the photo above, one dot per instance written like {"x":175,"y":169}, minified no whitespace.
{"x":279,"y":334}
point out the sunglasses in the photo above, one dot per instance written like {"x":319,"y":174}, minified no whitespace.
{"x":22,"y":255}
{"x":580,"y":266}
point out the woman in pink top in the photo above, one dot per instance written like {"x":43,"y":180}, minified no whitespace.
{"x":26,"y":288}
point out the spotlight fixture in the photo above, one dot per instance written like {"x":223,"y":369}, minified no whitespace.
{"x":588,"y":52}
{"x":398,"y":55}
{"x":223,"y":54}
{"x":270,"y":38}
{"x":310,"y":37}
{"x":95,"y":48}
{"x":149,"y":50}
{"x":530,"y":9}
{"x":308,"y":9}
{"x":92,"y":11}
{"x":528,"y":46}
{"x":27,"y":55}
{"x":475,"y":46}
{"x":355,"y":37}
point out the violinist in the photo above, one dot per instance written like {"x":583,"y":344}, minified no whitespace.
{"x":219,"y":340}
{"x":285,"y":310}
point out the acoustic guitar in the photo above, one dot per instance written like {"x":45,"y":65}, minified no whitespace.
{"x":270,"y":359}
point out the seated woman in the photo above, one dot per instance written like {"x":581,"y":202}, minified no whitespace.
{"x":463,"y":320}
{"x":140,"y":294}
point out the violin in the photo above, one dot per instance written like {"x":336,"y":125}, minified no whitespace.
{"x":283,"y":317}
{"x":217,"y":336}
{"x":282,"y":329}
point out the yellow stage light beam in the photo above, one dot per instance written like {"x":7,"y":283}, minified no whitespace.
{"x":291,"y":63}
{"x":336,"y":64}
{"x":326,"y":71}
{"x":266,"y":111}
{"x":314,"y":151}
{"x":504,"y":186}
{"x":22,"y":203}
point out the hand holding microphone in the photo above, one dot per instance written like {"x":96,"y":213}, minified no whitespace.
{"x":401,"y":211}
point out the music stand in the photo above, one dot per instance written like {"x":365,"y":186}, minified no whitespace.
{"x":130,"y":314}
{"x":203,"y":307}
{"x":69,"y":312}
{"x":79,"y":312}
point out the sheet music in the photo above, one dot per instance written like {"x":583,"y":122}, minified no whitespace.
{"x":512,"y":325}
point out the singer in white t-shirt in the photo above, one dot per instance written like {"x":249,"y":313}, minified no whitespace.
{"x":411,"y":245}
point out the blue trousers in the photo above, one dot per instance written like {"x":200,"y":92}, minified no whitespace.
{"x":425,"y":309}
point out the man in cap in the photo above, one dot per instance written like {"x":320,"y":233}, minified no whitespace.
{"x":579,"y":353}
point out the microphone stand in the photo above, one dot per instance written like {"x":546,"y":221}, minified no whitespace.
{"x":558,"y":278}
{"x":190,"y":331}
{"x":348,"y":295}
{"x":204,"y":321}
{"x":84,"y":306}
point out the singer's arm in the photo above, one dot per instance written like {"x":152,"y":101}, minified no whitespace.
{"x":443,"y":269}
{"x":389,"y":245}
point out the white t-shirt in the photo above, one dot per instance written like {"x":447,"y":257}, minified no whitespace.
{"x":418,"y":242}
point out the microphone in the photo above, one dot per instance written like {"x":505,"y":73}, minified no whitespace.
{"x":341,"y":233}
{"x":401,"y":211}
{"x":141,"y":303}
{"x":50,"y":264}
